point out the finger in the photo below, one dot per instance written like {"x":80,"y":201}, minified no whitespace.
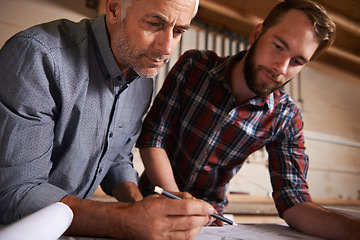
{"x":155,"y":196}
{"x":186,"y":223}
{"x":210,"y":221}
{"x":185,"y":195}
{"x":187,"y":207}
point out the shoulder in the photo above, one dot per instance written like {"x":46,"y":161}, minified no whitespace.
{"x":201,"y":54}
{"x":285,"y":116}
{"x":195,"y":63}
{"x":285,"y":108}
{"x":283,"y":100}
{"x":60,"y":33}
{"x":201,"y":58}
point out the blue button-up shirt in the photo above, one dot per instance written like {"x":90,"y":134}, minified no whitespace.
{"x":68,"y":118}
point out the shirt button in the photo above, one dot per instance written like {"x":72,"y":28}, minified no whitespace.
{"x":100,"y":170}
{"x":111,"y":135}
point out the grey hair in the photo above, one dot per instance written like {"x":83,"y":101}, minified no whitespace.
{"x":126,"y":4}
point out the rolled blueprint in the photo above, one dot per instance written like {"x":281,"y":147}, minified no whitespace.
{"x":48,"y":223}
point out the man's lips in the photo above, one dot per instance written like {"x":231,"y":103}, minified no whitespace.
{"x":156,"y":61}
{"x":269,"y":78}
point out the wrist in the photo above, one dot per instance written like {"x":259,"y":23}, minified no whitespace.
{"x":119,"y":219}
{"x":127,"y":192}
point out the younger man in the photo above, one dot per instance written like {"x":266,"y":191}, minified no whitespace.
{"x":213,"y":112}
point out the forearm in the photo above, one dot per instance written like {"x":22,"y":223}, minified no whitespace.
{"x":158,"y":168}
{"x":93,"y":218}
{"x":312,"y":219}
{"x":127,"y":192}
{"x":151,"y":218}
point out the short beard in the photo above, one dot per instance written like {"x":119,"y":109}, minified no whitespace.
{"x":250,"y":72}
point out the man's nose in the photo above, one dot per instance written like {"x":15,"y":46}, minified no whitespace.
{"x":165,"y":42}
{"x":281,"y":65}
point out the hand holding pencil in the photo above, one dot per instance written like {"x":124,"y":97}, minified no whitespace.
{"x":161,"y":191}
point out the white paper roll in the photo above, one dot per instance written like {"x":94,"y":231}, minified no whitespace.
{"x":48,"y":223}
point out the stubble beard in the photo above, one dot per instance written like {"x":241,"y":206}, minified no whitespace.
{"x":131,"y":55}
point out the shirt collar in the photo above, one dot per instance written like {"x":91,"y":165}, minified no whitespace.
{"x":266,"y":103}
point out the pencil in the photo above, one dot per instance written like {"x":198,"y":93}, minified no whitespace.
{"x":161,"y":191}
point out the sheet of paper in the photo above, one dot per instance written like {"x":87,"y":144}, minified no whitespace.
{"x":48,"y":223}
{"x":252,"y":232}
{"x":354,"y":213}
{"x":243,"y":231}
{"x":83,"y":238}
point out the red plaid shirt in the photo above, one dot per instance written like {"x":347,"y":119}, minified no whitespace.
{"x":208,"y":137}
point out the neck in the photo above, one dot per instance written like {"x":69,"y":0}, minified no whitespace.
{"x":126,"y":72}
{"x":239,"y":87}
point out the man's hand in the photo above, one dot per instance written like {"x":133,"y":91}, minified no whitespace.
{"x":154,"y":217}
{"x":158,"y":217}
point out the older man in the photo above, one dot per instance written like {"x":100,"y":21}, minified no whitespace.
{"x":72,"y":99}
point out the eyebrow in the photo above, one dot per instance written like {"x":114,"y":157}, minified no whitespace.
{"x":280,"y":39}
{"x":162,"y":19}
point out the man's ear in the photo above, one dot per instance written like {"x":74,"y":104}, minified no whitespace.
{"x":112,"y":9}
{"x":255,"y":33}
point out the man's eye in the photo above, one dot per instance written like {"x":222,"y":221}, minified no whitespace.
{"x":178,"y":33}
{"x":277,"y":46}
{"x":153,"y":24}
{"x":297,"y":62}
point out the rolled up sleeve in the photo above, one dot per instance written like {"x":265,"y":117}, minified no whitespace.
{"x":122,"y":170}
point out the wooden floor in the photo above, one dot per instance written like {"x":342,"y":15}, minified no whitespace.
{"x":256,"y":209}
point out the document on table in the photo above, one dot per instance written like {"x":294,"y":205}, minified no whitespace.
{"x":252,"y":232}
{"x":241,"y":232}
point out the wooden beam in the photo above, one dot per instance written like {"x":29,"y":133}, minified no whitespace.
{"x":345,"y":23}
{"x":241,"y":16}
{"x":343,"y":54}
